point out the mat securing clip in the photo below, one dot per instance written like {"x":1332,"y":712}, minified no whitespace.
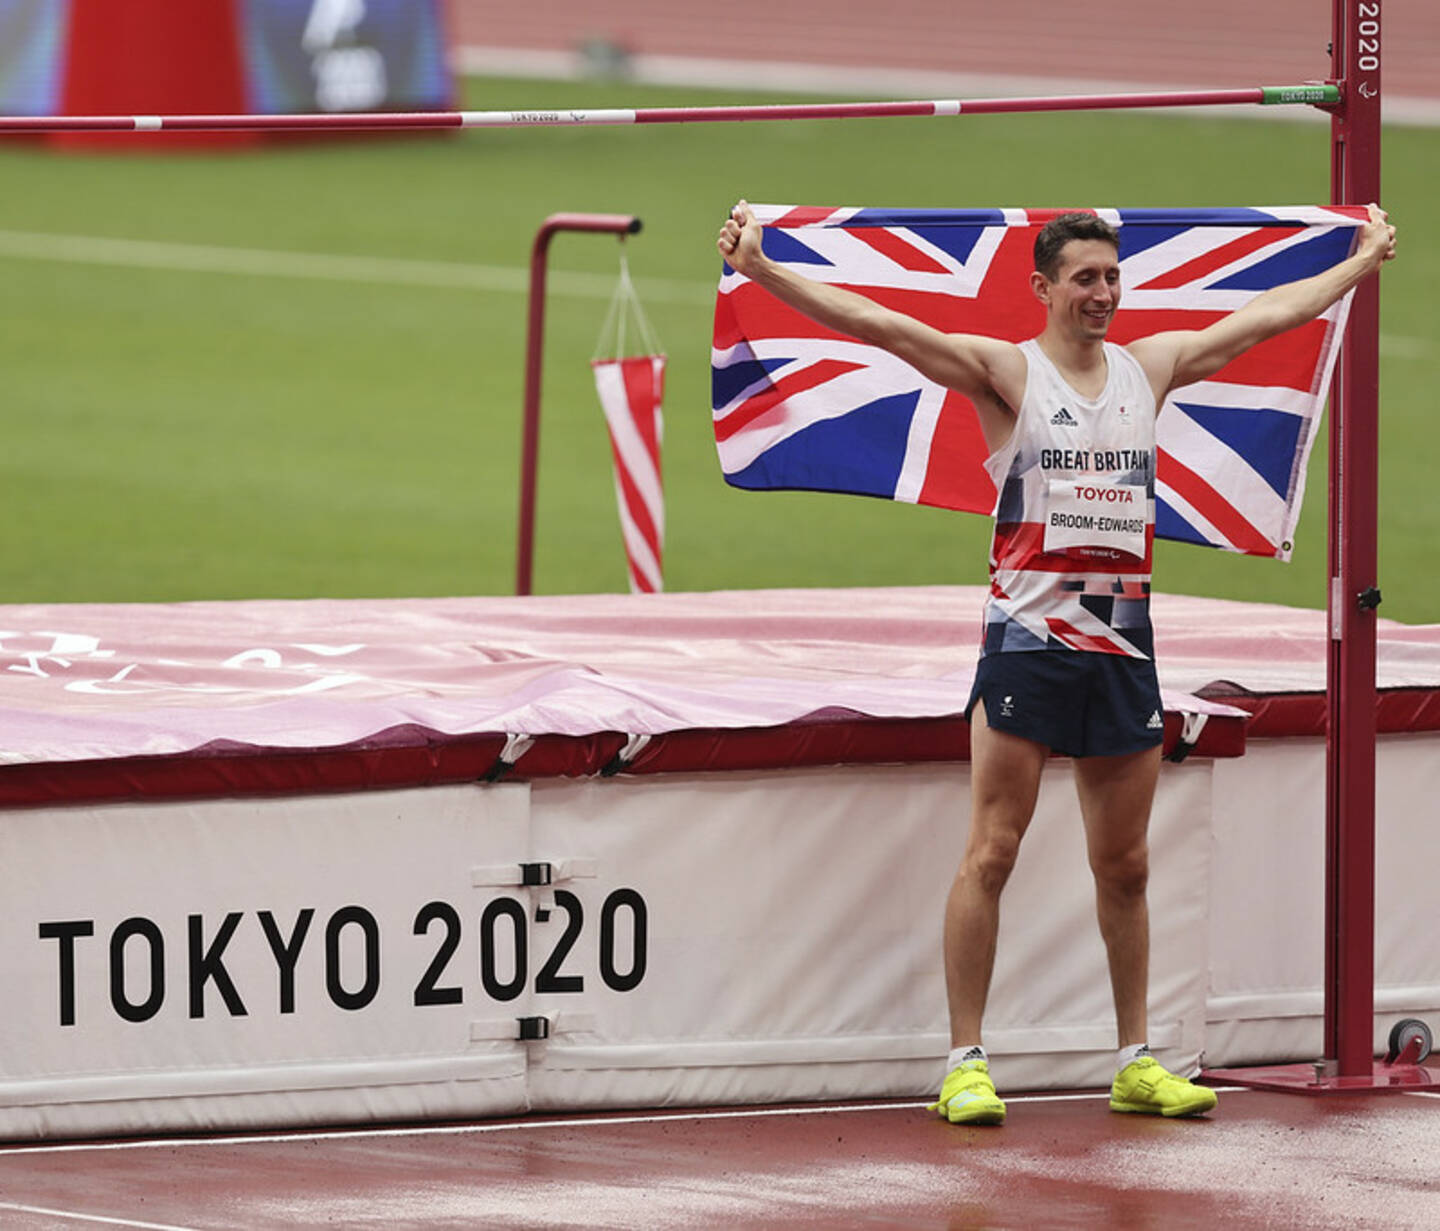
{"x":516,"y":746}
{"x":530,"y":1029}
{"x":633,"y":747}
{"x":1191,"y":726}
{"x":534,"y":874}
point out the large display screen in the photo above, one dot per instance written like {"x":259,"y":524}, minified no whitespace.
{"x":32,"y":45}
{"x":345,"y":55}
{"x":295,"y":55}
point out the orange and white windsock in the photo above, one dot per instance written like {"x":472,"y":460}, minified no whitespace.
{"x":630,"y":393}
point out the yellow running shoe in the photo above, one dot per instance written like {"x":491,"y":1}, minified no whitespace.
{"x":968,"y":1096}
{"x":1144,"y":1086}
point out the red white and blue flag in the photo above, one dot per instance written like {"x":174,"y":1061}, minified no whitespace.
{"x":798,"y":406}
{"x":631,"y":392}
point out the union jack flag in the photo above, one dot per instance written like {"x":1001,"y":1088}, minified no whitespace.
{"x":798,"y":406}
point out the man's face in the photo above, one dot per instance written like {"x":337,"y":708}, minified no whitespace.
{"x":1086,"y":290}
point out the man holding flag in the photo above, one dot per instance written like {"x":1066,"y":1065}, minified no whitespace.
{"x":1066,"y":664}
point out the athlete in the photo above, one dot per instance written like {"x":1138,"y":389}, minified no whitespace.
{"x":1066,"y":663}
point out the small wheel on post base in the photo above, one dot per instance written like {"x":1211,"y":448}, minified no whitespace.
{"x":1410,"y":1041}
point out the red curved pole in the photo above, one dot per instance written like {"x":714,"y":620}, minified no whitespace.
{"x":613,"y":224}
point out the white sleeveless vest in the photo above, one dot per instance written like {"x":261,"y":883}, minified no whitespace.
{"x":1074,"y":515}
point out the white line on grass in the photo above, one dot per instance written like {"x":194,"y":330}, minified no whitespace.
{"x":511,"y":1126}
{"x":101,"y":1219}
{"x":1394,"y":346}
{"x":269,"y":263}
{"x":396,"y":271}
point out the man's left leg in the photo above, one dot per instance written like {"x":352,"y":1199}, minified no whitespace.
{"x":1116,"y":793}
{"x":1115,"y":797}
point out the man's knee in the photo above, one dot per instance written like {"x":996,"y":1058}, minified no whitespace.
{"x":989,"y":862}
{"x":1123,"y":874}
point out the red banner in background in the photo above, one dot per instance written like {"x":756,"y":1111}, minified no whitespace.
{"x":153,"y":57}
{"x":219,"y":57}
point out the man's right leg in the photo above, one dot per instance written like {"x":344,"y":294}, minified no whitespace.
{"x":1005,"y":779}
{"x":1004,"y":782}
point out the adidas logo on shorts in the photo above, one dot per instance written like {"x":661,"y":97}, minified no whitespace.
{"x":1063,"y":418}
{"x":1156,"y":723}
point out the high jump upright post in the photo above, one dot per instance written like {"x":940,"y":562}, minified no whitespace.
{"x":1354,"y":594}
{"x":1353,"y":571}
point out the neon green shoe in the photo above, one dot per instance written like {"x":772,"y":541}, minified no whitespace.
{"x":1144,"y":1086}
{"x":968,"y":1096}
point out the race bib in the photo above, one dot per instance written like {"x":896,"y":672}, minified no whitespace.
{"x":1095,"y":513}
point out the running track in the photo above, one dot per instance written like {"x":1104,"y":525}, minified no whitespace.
{"x":1261,"y":1161}
{"x":1220,"y":43}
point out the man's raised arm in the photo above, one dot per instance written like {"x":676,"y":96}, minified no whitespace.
{"x":1173,"y":360}
{"x":988,"y":371}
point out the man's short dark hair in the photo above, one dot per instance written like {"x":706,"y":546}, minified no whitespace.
{"x":1060,"y":230}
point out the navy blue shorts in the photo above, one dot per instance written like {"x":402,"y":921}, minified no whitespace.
{"x":1077,"y":704}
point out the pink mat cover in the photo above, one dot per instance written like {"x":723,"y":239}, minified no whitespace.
{"x":95,"y":682}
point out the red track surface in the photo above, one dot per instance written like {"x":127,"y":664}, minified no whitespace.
{"x":1262,"y":1160}
{"x":1218,"y":43}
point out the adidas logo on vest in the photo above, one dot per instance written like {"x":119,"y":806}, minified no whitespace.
{"x":1063,"y":418}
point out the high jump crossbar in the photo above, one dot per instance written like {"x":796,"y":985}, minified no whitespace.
{"x":1309,"y":93}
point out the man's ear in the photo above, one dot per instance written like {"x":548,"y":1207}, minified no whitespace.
{"x":1040,"y":285}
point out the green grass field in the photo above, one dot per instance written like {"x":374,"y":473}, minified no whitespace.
{"x":183,"y":420}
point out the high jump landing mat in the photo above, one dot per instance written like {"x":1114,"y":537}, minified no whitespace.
{"x":284,"y":863}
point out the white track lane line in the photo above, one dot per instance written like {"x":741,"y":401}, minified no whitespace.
{"x":93,"y":1219}
{"x":600,"y":1120}
{"x":385,"y":271}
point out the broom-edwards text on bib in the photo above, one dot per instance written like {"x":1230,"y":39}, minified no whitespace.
{"x":1093,"y":512}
